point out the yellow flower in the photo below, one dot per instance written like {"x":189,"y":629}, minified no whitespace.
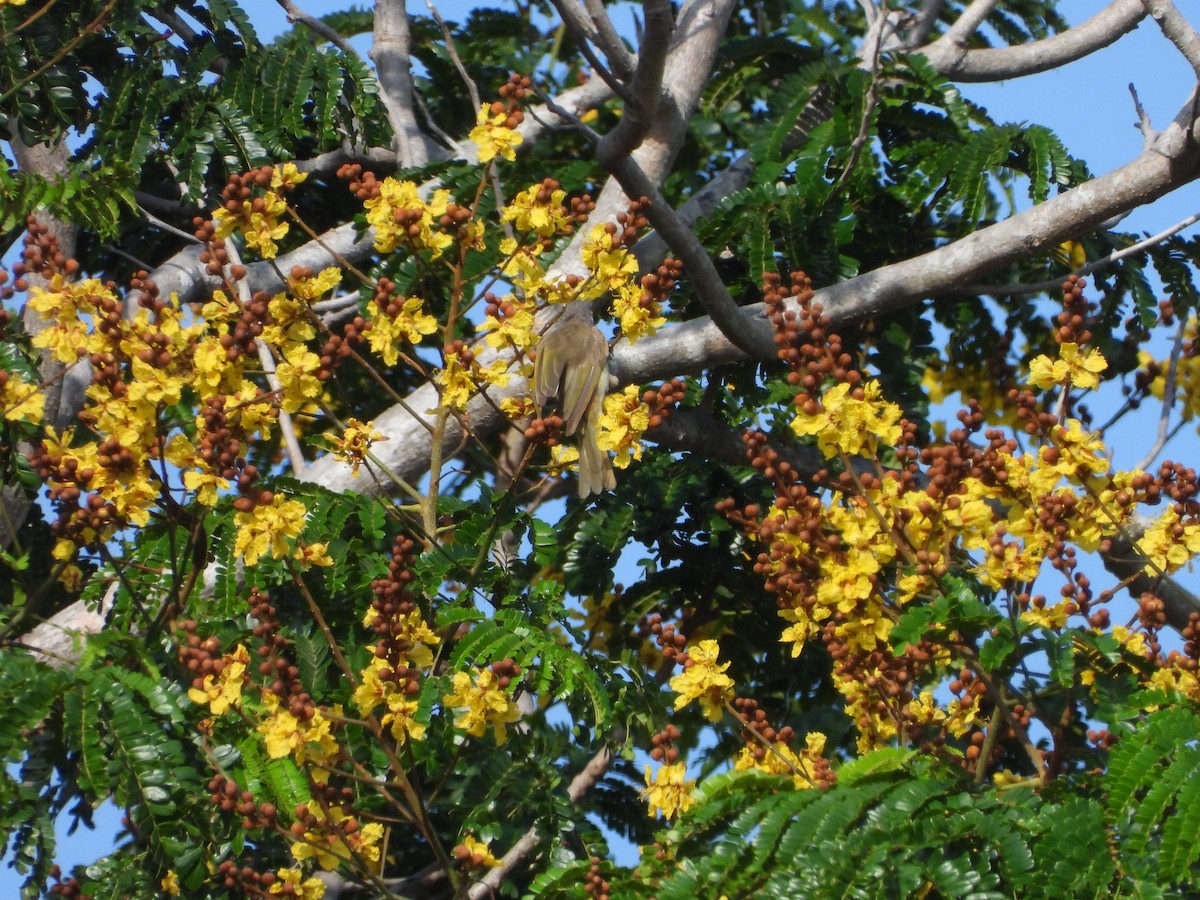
{"x":20,"y":400}
{"x":290,"y":321}
{"x":478,"y":853}
{"x":401,"y":717}
{"x":1048,"y":617}
{"x":409,"y":326}
{"x":257,"y":220}
{"x":611,"y":266}
{"x":285,"y":734}
{"x":781,"y":759}
{"x":1073,"y":367}
{"x":492,"y":138}
{"x":851,"y":421}
{"x":297,"y":376}
{"x":402,"y":709}
{"x":355,"y":442}
{"x":704,"y":680}
{"x":313,"y":555}
{"x":483,"y":703}
{"x":286,"y":176}
{"x":225,"y":690}
{"x":297,"y":887}
{"x":668,"y":793}
{"x":400,"y":216}
{"x":637,"y":317}
{"x":266,"y":528}
{"x":455,"y":383}
{"x":624,"y":421}
{"x":511,"y":325}
{"x":170,"y":883}
{"x":539,"y":209}
{"x":1168,"y":544}
{"x":518,"y":407}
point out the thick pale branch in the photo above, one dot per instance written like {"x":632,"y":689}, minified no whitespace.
{"x":1170,"y":164}
{"x":1177,"y":29}
{"x":645,"y":89}
{"x":968,"y":23}
{"x":393,"y":69}
{"x":956,"y":62}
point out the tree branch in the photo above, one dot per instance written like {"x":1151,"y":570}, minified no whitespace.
{"x":583,"y":782}
{"x":392,"y":67}
{"x":1055,"y":284}
{"x":1177,"y":29}
{"x":316,"y":26}
{"x":955,"y":61}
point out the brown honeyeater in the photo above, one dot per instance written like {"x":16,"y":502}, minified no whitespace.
{"x":572,"y":365}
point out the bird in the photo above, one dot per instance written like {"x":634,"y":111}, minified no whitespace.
{"x":572,"y":366}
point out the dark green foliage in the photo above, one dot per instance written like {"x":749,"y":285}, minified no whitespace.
{"x":896,"y":825}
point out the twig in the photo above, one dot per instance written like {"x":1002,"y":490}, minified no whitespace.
{"x":622,"y":61}
{"x":874,"y":46}
{"x":171,"y":229}
{"x":956,"y":62}
{"x":287,"y":431}
{"x":581,"y":29}
{"x":711,"y":291}
{"x":926,"y":18}
{"x":296,"y":14}
{"x":1056,"y":283}
{"x":454,"y":57}
{"x":645,"y":88}
{"x":1177,"y":29}
{"x":1143,"y":125}
{"x":1164,"y":417}
{"x":583,"y":782}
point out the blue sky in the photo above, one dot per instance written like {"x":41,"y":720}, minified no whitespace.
{"x":1088,"y":104}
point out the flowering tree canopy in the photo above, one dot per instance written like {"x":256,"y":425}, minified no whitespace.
{"x":426,"y":469}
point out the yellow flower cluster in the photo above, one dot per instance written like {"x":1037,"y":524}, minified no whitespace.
{"x":851,"y":420}
{"x":224,"y":692}
{"x":334,"y":843}
{"x":483,"y":703}
{"x":400,"y":217}
{"x":669,"y":792}
{"x":781,"y":759}
{"x":704,"y":681}
{"x":20,"y":400}
{"x":1168,"y":544}
{"x":511,"y":325}
{"x":375,"y":690}
{"x":479,"y":850}
{"x":306,"y":742}
{"x":623,"y":422}
{"x":1187,"y":373}
{"x":491,"y":138}
{"x":635,"y":318}
{"x":546,"y":218}
{"x":267,"y":528}
{"x":258,"y":220}
{"x":1073,"y":368}
{"x":355,"y":443}
{"x":461,"y":376}
{"x":409,"y":326}
{"x":293,"y":883}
